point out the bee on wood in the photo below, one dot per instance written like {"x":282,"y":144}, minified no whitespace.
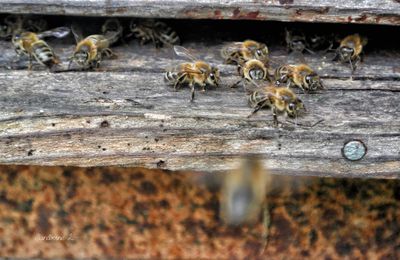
{"x":31,"y":44}
{"x":90,"y":51}
{"x":350,"y":50}
{"x":15,"y":24}
{"x":240,"y":52}
{"x":151,"y":30}
{"x":301,"y":76}
{"x":280,"y":100}
{"x":252,"y":70}
{"x":296,"y":42}
{"x":196,"y":72}
{"x":316,"y":42}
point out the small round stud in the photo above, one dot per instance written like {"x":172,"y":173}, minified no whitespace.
{"x":354,"y":150}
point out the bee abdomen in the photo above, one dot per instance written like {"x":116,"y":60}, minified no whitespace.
{"x":256,"y":98}
{"x":170,"y":38}
{"x":43,"y":53}
{"x":167,"y":34}
{"x":139,"y":32}
{"x":170,"y":76}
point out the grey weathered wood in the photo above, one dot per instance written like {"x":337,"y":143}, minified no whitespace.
{"x":337,"y":11}
{"x":126,"y":115}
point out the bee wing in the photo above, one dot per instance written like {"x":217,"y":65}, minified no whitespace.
{"x":183,"y":52}
{"x":251,"y":88}
{"x":77,"y":32}
{"x":233,"y":46}
{"x":177,"y":68}
{"x":58,"y":32}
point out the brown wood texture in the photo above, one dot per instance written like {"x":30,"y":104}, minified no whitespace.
{"x":126,"y":115}
{"x":337,"y":11}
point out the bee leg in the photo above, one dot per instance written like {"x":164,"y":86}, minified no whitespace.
{"x":336,"y":57}
{"x":274,"y":114}
{"x":179,"y":81}
{"x":203,"y":88}
{"x":266,"y":227}
{"x":302,"y":88}
{"x":236,"y":84}
{"x":30,"y":62}
{"x":109,"y":53}
{"x":258,"y":107}
{"x":192,"y":92}
{"x":352,"y":69}
{"x":143,"y":41}
{"x":70,"y":63}
{"x":309,"y":51}
{"x":356,"y":62}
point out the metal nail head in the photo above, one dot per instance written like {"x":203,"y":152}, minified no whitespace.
{"x":354,"y":150}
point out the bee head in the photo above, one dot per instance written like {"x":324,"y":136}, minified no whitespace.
{"x":346,"y":52}
{"x":17,"y":42}
{"x":81,"y":57}
{"x":262,"y":53}
{"x":298,"y":45}
{"x":4,"y":30}
{"x":313,"y":82}
{"x":213,"y":78}
{"x":294,"y":107}
{"x":134,"y":24}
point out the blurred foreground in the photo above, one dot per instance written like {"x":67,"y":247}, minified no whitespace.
{"x":137,"y":213}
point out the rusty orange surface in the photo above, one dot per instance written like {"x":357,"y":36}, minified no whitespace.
{"x":55,"y":212}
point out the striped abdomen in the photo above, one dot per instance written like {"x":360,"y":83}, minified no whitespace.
{"x":170,"y":76}
{"x":43,"y":53}
{"x":257,"y":98}
{"x":166,"y":34}
{"x":283,"y":73}
{"x":232,"y":57}
{"x":144,"y":34}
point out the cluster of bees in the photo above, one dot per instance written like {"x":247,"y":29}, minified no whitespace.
{"x":265,"y":85}
{"x":28,"y":38}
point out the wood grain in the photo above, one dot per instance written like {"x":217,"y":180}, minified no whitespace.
{"x":337,"y":11}
{"x":126,"y":115}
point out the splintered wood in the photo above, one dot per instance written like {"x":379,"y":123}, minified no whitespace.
{"x":337,"y":11}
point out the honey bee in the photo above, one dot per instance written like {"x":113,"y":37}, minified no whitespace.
{"x":31,"y":44}
{"x":196,"y":72}
{"x":90,"y":51}
{"x":252,"y":70}
{"x":240,"y":52}
{"x":280,"y":100}
{"x":243,"y":192}
{"x":301,"y":76}
{"x":14,"y":24}
{"x":320,"y":42}
{"x":350,"y":50}
{"x":112,"y":26}
{"x":244,"y":195}
{"x":158,"y":32}
{"x":296,"y":42}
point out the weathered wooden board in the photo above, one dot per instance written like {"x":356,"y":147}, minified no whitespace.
{"x":338,"y":11}
{"x":126,"y":115}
